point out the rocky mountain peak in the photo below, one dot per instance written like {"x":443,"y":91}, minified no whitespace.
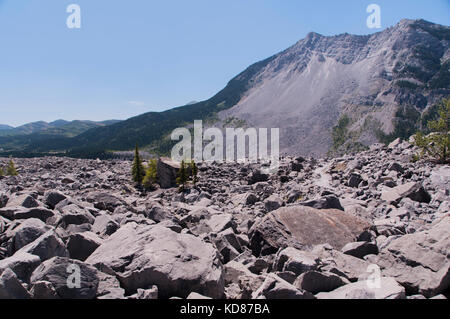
{"x":306,"y":89}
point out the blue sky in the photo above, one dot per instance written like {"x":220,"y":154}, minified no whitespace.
{"x":135,"y":56}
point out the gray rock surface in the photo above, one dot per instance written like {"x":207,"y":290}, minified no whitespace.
{"x":58,"y":270}
{"x":10,"y":286}
{"x":153,"y":255}
{"x":305,"y":226}
{"x":218,"y":239}
{"x":388,"y":289}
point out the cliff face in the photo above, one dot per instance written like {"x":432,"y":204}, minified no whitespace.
{"x":306,"y":89}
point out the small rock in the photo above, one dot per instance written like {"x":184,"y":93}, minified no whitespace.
{"x":10,"y":286}
{"x":360,"y":249}
{"x":315,"y":282}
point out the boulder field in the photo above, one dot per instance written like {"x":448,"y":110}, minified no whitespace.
{"x":372,"y":225}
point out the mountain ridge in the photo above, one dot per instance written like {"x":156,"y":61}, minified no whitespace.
{"x":376,"y":80}
{"x":63,"y":127}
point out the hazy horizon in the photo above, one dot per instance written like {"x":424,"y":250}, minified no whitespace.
{"x":152,"y":55}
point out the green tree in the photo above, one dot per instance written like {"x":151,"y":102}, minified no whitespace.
{"x":182,"y":176}
{"x":11,"y":169}
{"x":437,"y":144}
{"x":137,"y":170}
{"x":151,"y":175}
{"x":194,"y":171}
{"x":2,"y":172}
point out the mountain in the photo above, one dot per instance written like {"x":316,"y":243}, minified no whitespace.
{"x":4,"y":127}
{"x":57,"y":128}
{"x":327,"y":94}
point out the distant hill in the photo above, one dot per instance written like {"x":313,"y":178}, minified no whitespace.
{"x":42,"y":138}
{"x":4,"y":127}
{"x":58,"y":128}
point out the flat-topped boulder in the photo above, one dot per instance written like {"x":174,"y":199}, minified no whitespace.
{"x":388,"y":288}
{"x":142,"y":256}
{"x":167,"y":172}
{"x":105,"y":201}
{"x":302,"y":226}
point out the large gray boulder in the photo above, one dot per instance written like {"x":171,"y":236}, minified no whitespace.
{"x":58,"y":272}
{"x":43,"y":290}
{"x":360,"y":249}
{"x":24,"y":200}
{"x":105,"y":201}
{"x":388,"y":289}
{"x":46,"y":246}
{"x":420,"y":261}
{"x":3,"y":200}
{"x":11,"y":288}
{"x":276,"y":288}
{"x":247,"y":282}
{"x":75,"y":215}
{"x":26,"y":232}
{"x":412,"y":190}
{"x":296,"y":261}
{"x":346,"y":266}
{"x":109,"y":287}
{"x":325,"y":202}
{"x":23,"y":264}
{"x":214,"y":223}
{"x":104,"y":225}
{"x":273,"y":203}
{"x":53,"y":198}
{"x":19,"y":213}
{"x":167,"y":172}
{"x":315,"y":282}
{"x":301,"y":226}
{"x":141,"y":256}
{"x":82,"y":245}
{"x":248,"y":198}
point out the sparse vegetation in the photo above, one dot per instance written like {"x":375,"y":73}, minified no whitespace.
{"x":442,"y":78}
{"x":151,"y":175}
{"x":436,"y":145}
{"x":340,"y":131}
{"x":194,"y":171}
{"x":406,"y":84}
{"x":2,"y":172}
{"x":11,"y":169}
{"x":405,"y":124}
{"x":137,"y":170}
{"x":182,"y":177}
{"x":234,"y":122}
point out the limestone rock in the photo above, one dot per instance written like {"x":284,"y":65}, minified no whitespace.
{"x":302,"y":226}
{"x":58,"y":270}
{"x":388,"y":289}
{"x":153,"y":255}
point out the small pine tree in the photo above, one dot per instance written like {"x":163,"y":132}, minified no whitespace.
{"x":182,"y":176}
{"x":151,"y":175}
{"x":137,"y":170}
{"x":194,"y":171}
{"x":11,"y":169}
{"x":437,"y":144}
